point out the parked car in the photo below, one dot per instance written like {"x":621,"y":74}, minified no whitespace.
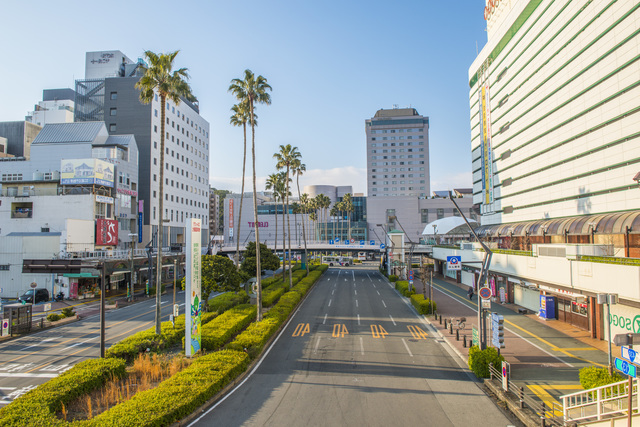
{"x":42,"y":295}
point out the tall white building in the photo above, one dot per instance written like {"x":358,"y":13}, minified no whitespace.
{"x":57,"y":106}
{"x":397,"y":153}
{"x":554,"y":108}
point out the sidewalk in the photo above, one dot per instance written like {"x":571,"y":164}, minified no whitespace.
{"x":545,"y":356}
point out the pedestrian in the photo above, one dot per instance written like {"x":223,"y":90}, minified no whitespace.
{"x":470,"y":292}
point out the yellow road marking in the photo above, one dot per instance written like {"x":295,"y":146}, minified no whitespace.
{"x":553,"y":347}
{"x":575,"y":349}
{"x":548,"y":400}
{"x":417,"y":332}
{"x":300,"y":330}
{"x":339,"y":330}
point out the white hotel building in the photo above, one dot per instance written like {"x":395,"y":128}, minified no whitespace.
{"x":555,"y":138}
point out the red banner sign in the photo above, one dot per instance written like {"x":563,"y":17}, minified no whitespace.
{"x":106,"y":232}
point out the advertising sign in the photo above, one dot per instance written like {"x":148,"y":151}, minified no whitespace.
{"x":106,"y":232}
{"x":485,"y":144}
{"x":86,"y":171}
{"x":454,"y":262}
{"x":193,"y":296}
{"x":230,"y":217}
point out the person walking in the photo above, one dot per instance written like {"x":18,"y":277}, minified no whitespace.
{"x":470,"y":292}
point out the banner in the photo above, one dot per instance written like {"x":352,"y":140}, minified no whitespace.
{"x":193,"y":295}
{"x":485,"y":144}
{"x":230,"y":217}
{"x":106,"y":232}
{"x":86,"y":171}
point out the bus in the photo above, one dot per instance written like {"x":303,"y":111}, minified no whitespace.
{"x":362,"y":256}
{"x":337,"y":260}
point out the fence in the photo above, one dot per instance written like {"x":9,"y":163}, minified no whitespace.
{"x":600,"y":402}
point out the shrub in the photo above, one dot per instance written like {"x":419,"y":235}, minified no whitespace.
{"x":479,"y":360}
{"x":272,"y":296}
{"x":224,"y":302}
{"x":592,"y":376}
{"x":422,"y":304}
{"x":403,"y":287}
{"x":68,"y":312}
{"x":52,"y":317}
{"x":220,"y":330}
{"x":39,"y":407}
{"x":393,"y":278}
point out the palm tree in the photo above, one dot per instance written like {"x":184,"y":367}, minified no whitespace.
{"x":334,"y":213}
{"x":253,"y":90}
{"x":348,"y":207}
{"x":239,"y":118}
{"x":298,"y":169}
{"x":325,"y":203}
{"x":160,"y":78}
{"x":286,"y":158}
{"x":313,"y":207}
{"x":272,"y":184}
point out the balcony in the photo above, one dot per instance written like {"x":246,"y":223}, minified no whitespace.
{"x":21,"y":213}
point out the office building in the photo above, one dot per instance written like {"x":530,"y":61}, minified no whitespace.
{"x":397,"y":153}
{"x":19,"y":135}
{"x":57,"y":106}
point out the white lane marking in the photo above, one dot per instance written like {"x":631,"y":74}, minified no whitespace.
{"x":353,"y":273}
{"x":361,"y":347}
{"x":355,"y":292}
{"x":328,"y":279}
{"x":26,"y":375}
{"x":356,"y":303}
{"x":161,"y":302}
{"x":182,"y":304}
{"x":378,"y":292}
{"x":385,"y":305}
{"x":394,"y":322}
{"x":40,"y":343}
{"x":8,"y":388}
{"x":358,"y":320}
{"x":332,"y":291}
{"x":329,"y":303}
{"x":315,"y":348}
{"x":78,"y":343}
{"x":407,"y":347}
{"x":374,"y":285}
{"x":325,"y":319}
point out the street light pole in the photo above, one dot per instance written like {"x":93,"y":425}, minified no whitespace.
{"x":130,"y":288}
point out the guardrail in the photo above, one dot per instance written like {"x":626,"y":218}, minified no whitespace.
{"x":600,"y":403}
{"x":549,"y":415}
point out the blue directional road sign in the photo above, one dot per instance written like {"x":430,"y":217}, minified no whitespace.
{"x":629,"y":354}
{"x":625,"y":367}
{"x":346,"y":242}
{"x":331,"y":241}
{"x":410,"y":274}
{"x":372,"y":242}
{"x":381,"y":245}
{"x":362,"y":242}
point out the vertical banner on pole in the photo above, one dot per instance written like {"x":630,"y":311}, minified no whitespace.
{"x":193,"y":294}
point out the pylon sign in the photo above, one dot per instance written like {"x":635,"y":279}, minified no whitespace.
{"x":193,"y":295}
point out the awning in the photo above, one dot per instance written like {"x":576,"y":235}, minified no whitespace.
{"x":448,"y":225}
{"x":80,"y":275}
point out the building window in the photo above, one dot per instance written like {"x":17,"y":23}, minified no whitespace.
{"x":4,"y":267}
{"x":112,"y":127}
{"x":114,"y":96}
{"x":440,"y":213}
{"x":424,"y":216}
{"x":155,"y":161}
{"x":155,"y":128}
{"x":155,"y":113}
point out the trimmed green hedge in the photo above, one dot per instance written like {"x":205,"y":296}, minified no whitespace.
{"x":393,"y":278}
{"x":224,"y":302}
{"x":271,"y":296}
{"x":422,"y":304}
{"x":592,"y":376}
{"x":403,"y":287}
{"x":178,"y":396}
{"x":54,"y":317}
{"x":479,"y":360}
{"x":220,"y":330}
{"x":39,"y":407}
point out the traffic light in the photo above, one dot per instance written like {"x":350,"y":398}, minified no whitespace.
{"x":497,"y":322}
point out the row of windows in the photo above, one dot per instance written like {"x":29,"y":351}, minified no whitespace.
{"x":396,"y":188}
{"x":395,"y":138}
{"x":394,"y":144}
{"x":168,"y":214}
{"x":413,"y":162}
{"x":408,"y":156}
{"x":397,"y":130}
{"x":402,"y":175}
{"x":396,"y":170}
{"x":189,"y":202}
{"x":397,"y":182}
{"x":399,"y":150}
{"x":192,"y":123}
{"x":12,"y":177}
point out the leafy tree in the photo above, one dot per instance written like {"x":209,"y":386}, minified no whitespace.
{"x":268,"y":260}
{"x":219,"y":274}
{"x":160,"y":78}
{"x":253,"y":90}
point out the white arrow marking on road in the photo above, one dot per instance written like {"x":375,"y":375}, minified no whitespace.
{"x":407,"y":347}
{"x":345,"y":279}
{"x":325,"y":318}
{"x":394,"y":322}
{"x":40,"y":343}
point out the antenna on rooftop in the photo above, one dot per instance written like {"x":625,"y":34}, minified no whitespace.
{"x":395,"y":106}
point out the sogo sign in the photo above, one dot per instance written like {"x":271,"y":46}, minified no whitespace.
{"x":624,"y":319}
{"x":490,"y":8}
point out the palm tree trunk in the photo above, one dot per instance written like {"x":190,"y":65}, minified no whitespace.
{"x":275,"y":245}
{"x":288,"y":225}
{"x":244,"y":163}
{"x":163,"y":99}
{"x":284,"y":244}
{"x":255,"y":214}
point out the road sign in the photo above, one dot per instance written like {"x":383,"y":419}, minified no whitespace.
{"x":410,"y":274}
{"x":486,"y":303}
{"x":362,"y":242}
{"x":625,"y":367}
{"x":410,"y":282}
{"x":629,"y":354}
{"x":497,"y":326}
{"x":454,"y":262}
{"x":627,"y":339}
{"x":5,"y":327}
{"x":372,"y":242}
{"x":381,"y":245}
{"x":475,"y":336}
{"x":331,"y":242}
{"x":485,"y":292}
{"x":353,"y":240}
{"x":505,"y":376}
{"x":346,"y":242}
{"x":47,"y":307}
{"x":33,"y":285}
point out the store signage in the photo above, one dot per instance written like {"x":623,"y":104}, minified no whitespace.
{"x":230,"y":217}
{"x":454,"y":262}
{"x":104,"y":199}
{"x":193,"y":295}
{"x":261,"y":224}
{"x":127,"y":192}
{"x":106,"y":232}
{"x":86,"y":171}
{"x":490,"y":8}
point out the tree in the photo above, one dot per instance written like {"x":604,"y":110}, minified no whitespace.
{"x":334,"y":214}
{"x":239,"y":118}
{"x":268,"y":260}
{"x":298,"y":169}
{"x":272,"y":184}
{"x":160,"y":78}
{"x":219,"y":274}
{"x":286,"y":158}
{"x":253,"y":90}
{"x":348,"y":207}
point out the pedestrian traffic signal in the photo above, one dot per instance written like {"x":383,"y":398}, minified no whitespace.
{"x":497,"y":323}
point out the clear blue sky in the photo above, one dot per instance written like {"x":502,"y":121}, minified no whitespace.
{"x":331,"y":64}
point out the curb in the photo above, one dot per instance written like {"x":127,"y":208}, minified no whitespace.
{"x":525,"y":415}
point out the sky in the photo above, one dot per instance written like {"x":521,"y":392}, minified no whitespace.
{"x":331,"y":64}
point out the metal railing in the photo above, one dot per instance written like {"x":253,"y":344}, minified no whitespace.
{"x":550,"y":415}
{"x":600,"y":403}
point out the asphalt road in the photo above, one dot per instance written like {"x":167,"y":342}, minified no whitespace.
{"x":356,"y":353}
{"x":29,"y":361}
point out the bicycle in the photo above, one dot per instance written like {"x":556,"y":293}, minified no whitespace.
{"x":459,"y":322}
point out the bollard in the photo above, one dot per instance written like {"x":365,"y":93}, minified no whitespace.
{"x":450,"y":328}
{"x":441,"y":319}
{"x":521,"y":397}
{"x":445,"y":322}
{"x":464,"y":341}
{"x":543,"y":416}
{"x":457,"y":334}
{"x":491,"y":371}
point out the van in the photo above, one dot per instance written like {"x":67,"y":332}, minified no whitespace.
{"x":42,"y":295}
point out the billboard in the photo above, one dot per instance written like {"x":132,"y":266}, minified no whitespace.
{"x":485,"y":144}
{"x":106,"y":232}
{"x":193,"y":295}
{"x":86,"y":171}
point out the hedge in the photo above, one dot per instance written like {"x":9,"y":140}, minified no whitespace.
{"x":422,"y":304}
{"x":178,"y":396}
{"x":220,"y":330}
{"x":592,"y":376}
{"x":39,"y":406}
{"x":479,"y":360}
{"x":393,"y":278}
{"x":272,"y":296}
{"x":403,"y":287}
{"x":224,"y":302}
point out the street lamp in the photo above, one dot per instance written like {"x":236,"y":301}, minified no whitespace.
{"x":130,"y":288}
{"x":594,"y":228}
{"x":608,"y":299}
